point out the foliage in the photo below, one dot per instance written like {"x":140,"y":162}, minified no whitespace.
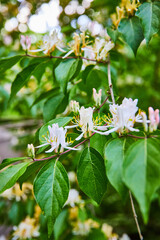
{"x":103,"y":138}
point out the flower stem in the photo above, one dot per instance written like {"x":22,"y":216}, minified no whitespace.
{"x":110,"y":81}
{"x":135,"y":216}
{"x":69,"y":57}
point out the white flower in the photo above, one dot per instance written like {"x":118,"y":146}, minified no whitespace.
{"x":107,"y":47}
{"x":85,"y":122}
{"x":25,"y":42}
{"x":125,"y":237}
{"x":123,"y":117}
{"x":26,"y":229}
{"x":50,"y":43}
{"x":56,"y":138}
{"x":73,"y":198}
{"x":97,"y":96}
{"x":72,"y":176}
{"x":154,"y":119}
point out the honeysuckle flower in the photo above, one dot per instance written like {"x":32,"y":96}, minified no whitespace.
{"x":55,"y":138}
{"x":116,"y":17}
{"x":16,"y":193}
{"x":77,"y":45}
{"x":25,"y":42}
{"x":72,"y":176}
{"x":125,"y":237}
{"x":123,"y":117}
{"x":83,"y":228}
{"x":101,"y":48}
{"x":31,"y":150}
{"x":50,"y":43}
{"x":130,"y":6}
{"x":97,"y":96}
{"x":73,"y":198}
{"x":154,"y":119}
{"x":85,"y":123}
{"x":74,"y":106}
{"x":26,"y":229}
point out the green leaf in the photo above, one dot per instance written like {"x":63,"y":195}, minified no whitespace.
{"x":132,"y":32}
{"x":21,"y":79}
{"x":149,"y":13}
{"x":91,"y":174}
{"x":40,"y":69}
{"x":6,"y":63}
{"x":54,"y":105}
{"x":31,"y":169}
{"x":67,"y":70}
{"x":114,"y":155}
{"x":9,"y":161}
{"x":60,"y":224}
{"x":98,"y":141}
{"x":113,"y":34}
{"x":45,"y":95}
{"x":51,"y":188}
{"x":9,"y":176}
{"x":62,"y":121}
{"x":141,"y":172}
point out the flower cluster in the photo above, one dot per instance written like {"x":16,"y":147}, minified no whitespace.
{"x":79,"y":46}
{"x":121,"y":119}
{"x":127,"y":7}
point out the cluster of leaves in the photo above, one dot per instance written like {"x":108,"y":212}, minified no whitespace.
{"x":127,"y":163}
{"x":142,"y":26}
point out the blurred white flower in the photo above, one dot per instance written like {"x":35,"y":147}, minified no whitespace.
{"x":56,"y":138}
{"x":50,"y":43}
{"x":83,"y":228}
{"x":72,"y":176}
{"x":25,"y":42}
{"x":73,"y":198}
{"x":26,"y":229}
{"x":16,"y":193}
{"x":125,"y":237}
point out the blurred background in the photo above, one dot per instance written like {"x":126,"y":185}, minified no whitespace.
{"x":132,"y":77}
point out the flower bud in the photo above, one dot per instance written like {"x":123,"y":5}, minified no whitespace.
{"x":74,"y":106}
{"x":97,"y":96}
{"x":31,"y":151}
{"x":25,"y":42}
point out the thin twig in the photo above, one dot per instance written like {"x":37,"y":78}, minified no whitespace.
{"x":110,"y":81}
{"x":101,"y":104}
{"x":69,"y":57}
{"x":135,"y":216}
{"x":133,"y":136}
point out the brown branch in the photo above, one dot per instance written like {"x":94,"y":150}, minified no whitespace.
{"x":135,"y":216}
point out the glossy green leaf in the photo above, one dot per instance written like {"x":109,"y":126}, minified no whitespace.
{"x":132,"y":32}
{"x":51,"y":188}
{"x":45,"y":95}
{"x":6,"y":63}
{"x":149,"y":13}
{"x":8,"y":161}
{"x":98,"y":142}
{"x":114,"y":155}
{"x":67,"y":70}
{"x":9,"y":176}
{"x":91,"y":174}
{"x":52,"y":105}
{"x":141,"y":172}
{"x":21,"y":79}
